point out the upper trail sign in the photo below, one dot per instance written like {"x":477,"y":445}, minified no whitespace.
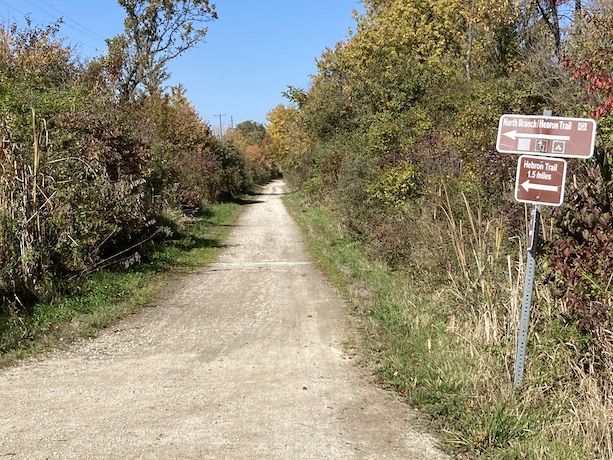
{"x":548,"y":136}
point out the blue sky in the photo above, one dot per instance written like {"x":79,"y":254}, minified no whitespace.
{"x":252,"y":52}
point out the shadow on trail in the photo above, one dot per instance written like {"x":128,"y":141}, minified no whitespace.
{"x":192,"y":242}
{"x":246,"y":201}
{"x":271,"y":194}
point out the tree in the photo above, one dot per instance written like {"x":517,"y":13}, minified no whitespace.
{"x":549,"y":13}
{"x":36,"y":55}
{"x":252,"y":131}
{"x":156,"y":32}
{"x":281,"y":127}
{"x":249,"y":138}
{"x":547,"y":22}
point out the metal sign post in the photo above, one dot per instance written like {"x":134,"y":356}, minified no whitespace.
{"x":522,"y":340}
{"x":540,"y":181}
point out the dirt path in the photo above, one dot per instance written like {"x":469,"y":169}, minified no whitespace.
{"x":242,"y":360}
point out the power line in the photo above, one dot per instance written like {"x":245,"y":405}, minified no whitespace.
{"x":83,"y":29}
{"x":220,"y":123}
{"x":12,"y":7}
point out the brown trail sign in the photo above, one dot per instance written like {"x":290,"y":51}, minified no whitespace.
{"x":540,"y":180}
{"x":548,"y":136}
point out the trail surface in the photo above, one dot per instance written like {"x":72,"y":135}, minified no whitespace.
{"x":243,"y":359}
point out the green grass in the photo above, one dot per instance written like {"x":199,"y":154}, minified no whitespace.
{"x":465,"y":387}
{"x":107,"y":296}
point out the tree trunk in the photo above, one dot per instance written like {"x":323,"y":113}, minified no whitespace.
{"x":470,"y":40}
{"x":549,"y":13}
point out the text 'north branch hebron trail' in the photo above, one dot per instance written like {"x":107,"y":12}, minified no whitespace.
{"x":548,"y":136}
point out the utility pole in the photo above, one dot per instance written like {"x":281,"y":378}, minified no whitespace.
{"x":220,"y":123}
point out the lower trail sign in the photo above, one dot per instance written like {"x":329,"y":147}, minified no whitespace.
{"x":540,"y":180}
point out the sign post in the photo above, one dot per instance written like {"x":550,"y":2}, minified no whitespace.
{"x":522,"y":339}
{"x":540,"y":181}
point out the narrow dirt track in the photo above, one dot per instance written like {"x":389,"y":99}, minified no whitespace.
{"x":243,"y":359}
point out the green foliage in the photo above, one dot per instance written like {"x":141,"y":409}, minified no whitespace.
{"x":495,"y":426}
{"x":325,"y":111}
{"x":394,"y":187}
{"x":84,"y":178}
{"x":255,"y":145}
{"x":313,"y":187}
{"x":233,"y":165}
{"x":356,"y":171}
{"x":252,"y":132}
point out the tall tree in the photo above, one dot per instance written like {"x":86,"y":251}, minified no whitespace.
{"x":156,"y":32}
{"x":282,"y":133}
{"x":555,"y":15}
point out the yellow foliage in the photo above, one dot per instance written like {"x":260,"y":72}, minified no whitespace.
{"x":395,"y":186}
{"x":432,"y":31}
{"x":282,"y":132}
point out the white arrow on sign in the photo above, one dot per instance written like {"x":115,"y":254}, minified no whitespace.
{"x":527,"y":186}
{"x":514,"y":135}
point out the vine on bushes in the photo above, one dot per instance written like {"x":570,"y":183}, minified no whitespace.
{"x":581,"y":256}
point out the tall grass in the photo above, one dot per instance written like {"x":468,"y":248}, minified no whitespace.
{"x":477,"y":278}
{"x":21,"y":206}
{"x":570,"y":374}
{"x":104,"y":297}
{"x":449,"y":348}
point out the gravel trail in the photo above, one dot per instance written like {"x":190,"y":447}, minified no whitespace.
{"x":243,"y":359}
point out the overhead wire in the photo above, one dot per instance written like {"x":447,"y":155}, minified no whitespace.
{"x":94,"y":34}
{"x":11,"y":6}
{"x":83,"y":30}
{"x":62,"y":17}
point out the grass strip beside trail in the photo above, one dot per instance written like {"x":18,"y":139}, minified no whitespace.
{"x":416,"y":349}
{"x":107,"y":296}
